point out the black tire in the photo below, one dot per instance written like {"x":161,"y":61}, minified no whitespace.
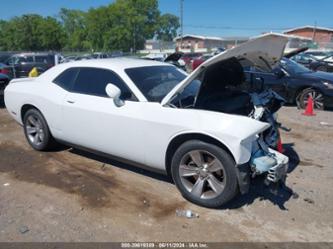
{"x":45,"y":144}
{"x":318,"y":99}
{"x":230,"y":189}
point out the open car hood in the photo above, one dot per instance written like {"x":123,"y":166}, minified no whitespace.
{"x":263,"y":52}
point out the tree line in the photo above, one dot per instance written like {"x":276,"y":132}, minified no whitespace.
{"x":122,"y":25}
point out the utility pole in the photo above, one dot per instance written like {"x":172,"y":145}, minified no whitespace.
{"x":181,"y":22}
{"x":314,"y":32}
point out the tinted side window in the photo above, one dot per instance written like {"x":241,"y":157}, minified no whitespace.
{"x":29,"y":59}
{"x":21,"y":60}
{"x":66,"y":78}
{"x":93,"y":81}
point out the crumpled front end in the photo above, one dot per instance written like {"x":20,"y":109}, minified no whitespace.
{"x":265,"y":160}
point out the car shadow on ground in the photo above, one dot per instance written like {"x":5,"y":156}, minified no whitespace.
{"x":278,"y":193}
{"x":122,"y":165}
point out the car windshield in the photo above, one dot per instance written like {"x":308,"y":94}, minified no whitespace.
{"x":155,"y":82}
{"x":293,"y":67}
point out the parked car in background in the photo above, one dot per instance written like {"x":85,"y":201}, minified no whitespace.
{"x":175,"y":59}
{"x":296,"y":83}
{"x":309,"y":61}
{"x":4,"y":80}
{"x":155,"y":56}
{"x":219,"y":50}
{"x":99,"y":55}
{"x":5,"y":69}
{"x":22,"y":64}
{"x":313,"y":63}
{"x":5,"y":55}
{"x":188,"y":57}
{"x":197,"y":128}
{"x":318,"y":54}
{"x":84,"y":57}
{"x":199,"y":60}
{"x":114,"y":54}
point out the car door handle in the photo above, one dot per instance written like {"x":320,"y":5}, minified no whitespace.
{"x":71,"y":101}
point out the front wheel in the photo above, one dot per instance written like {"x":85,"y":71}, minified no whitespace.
{"x":204,"y":173}
{"x":317,"y":97}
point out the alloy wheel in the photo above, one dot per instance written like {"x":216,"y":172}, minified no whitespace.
{"x":35,"y":130}
{"x":318,"y":99}
{"x":202,"y":174}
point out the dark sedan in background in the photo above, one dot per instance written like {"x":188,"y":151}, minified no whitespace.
{"x":5,"y":69}
{"x":325,"y":64}
{"x":4,"y":80}
{"x":296,"y":83}
{"x":22,"y":64}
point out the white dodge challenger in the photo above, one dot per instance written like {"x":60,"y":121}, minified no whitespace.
{"x":197,"y":128}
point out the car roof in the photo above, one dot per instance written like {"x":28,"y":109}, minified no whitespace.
{"x":118,"y":63}
{"x":32,"y":54}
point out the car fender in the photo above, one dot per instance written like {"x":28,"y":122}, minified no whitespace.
{"x":236,"y":133}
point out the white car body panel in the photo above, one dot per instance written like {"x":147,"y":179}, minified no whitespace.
{"x":138,"y":131}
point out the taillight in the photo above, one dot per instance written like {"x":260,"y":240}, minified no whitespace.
{"x":4,"y":71}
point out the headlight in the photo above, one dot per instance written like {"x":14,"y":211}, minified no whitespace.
{"x":328,"y":85}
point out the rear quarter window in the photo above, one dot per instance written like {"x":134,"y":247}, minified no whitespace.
{"x":66,"y":79}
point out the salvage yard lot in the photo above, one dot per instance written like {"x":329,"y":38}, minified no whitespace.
{"x":71,"y":195}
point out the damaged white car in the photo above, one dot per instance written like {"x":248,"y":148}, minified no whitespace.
{"x":206,"y":129}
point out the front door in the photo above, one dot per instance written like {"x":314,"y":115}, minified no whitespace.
{"x":92,"y":120}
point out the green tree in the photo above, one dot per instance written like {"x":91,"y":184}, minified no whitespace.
{"x":52,"y":34}
{"x":98,"y":25}
{"x":31,"y":32}
{"x":2,"y":34}
{"x":121,"y":25}
{"x":133,"y":21}
{"x":167,"y":27}
{"x":74,"y":24}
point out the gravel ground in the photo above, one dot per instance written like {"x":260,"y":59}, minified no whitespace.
{"x":70,"y":195}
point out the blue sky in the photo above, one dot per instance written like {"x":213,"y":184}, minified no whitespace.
{"x":207,"y":17}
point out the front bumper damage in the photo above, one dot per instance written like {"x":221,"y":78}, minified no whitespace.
{"x":279,"y":170}
{"x":275,"y":167}
{"x":265,"y":160}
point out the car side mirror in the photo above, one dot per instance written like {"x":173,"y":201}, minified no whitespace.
{"x":279,"y":74}
{"x":114,"y":93}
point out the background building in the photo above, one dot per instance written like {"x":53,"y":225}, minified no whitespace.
{"x":196,"y":42}
{"x":205,"y":43}
{"x":323,"y":37}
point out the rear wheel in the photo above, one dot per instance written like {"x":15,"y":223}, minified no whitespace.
{"x":318,"y":99}
{"x":204,"y":173}
{"x":37,"y":131}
